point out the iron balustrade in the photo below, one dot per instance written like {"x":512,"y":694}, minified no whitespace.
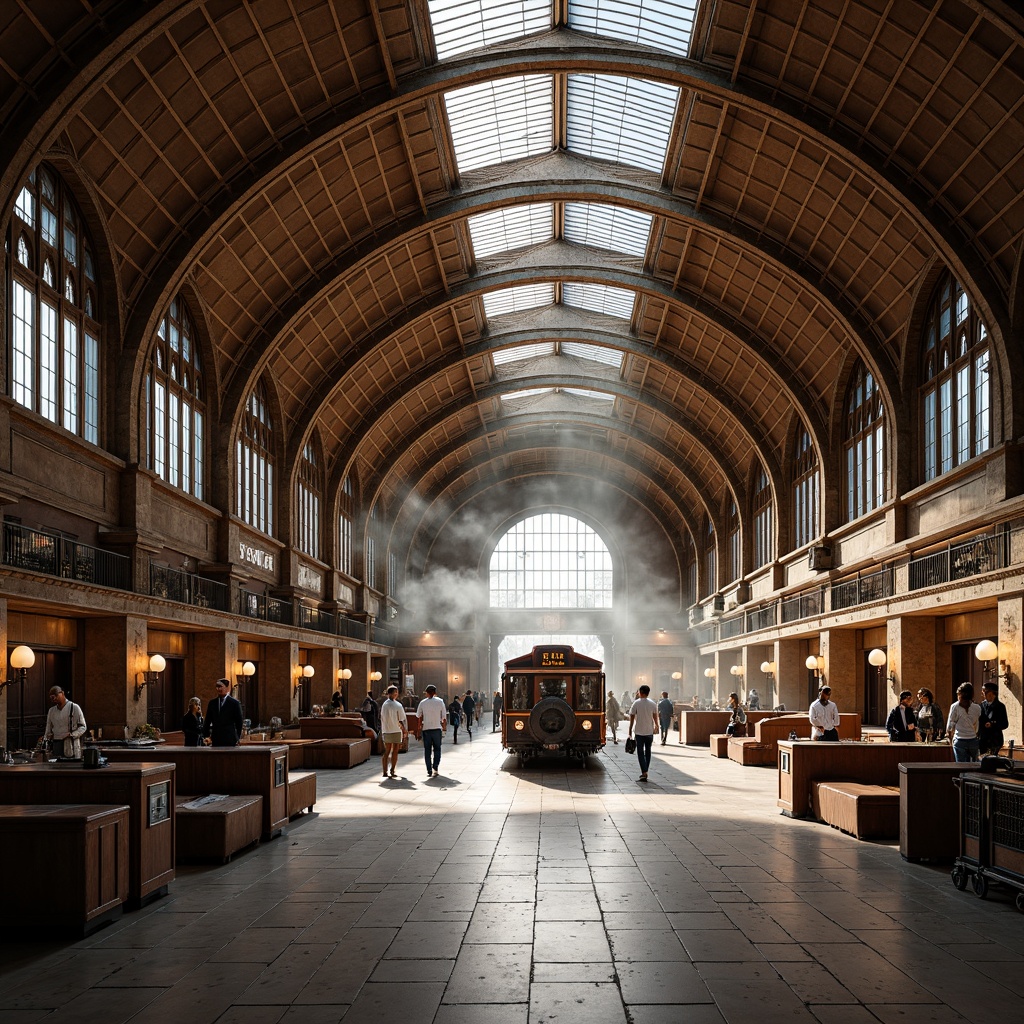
{"x":872,"y":587}
{"x":730,"y":627}
{"x":352,"y":628}
{"x":187,"y":588}
{"x":962,"y":560}
{"x":54,"y":555}
{"x":261,"y":606}
{"x":316,"y":618}
{"x":803,"y":606}
{"x":384,"y":635}
{"x":760,"y":618}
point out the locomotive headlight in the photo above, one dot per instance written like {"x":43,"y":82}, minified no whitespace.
{"x":520,"y":725}
{"x":587,"y":725}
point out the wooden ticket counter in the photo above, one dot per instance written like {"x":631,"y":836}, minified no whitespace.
{"x":146,"y":789}
{"x":236,"y":771}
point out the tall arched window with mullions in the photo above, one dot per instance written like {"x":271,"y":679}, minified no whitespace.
{"x":54,"y":329}
{"x":732,"y":538}
{"x":805,"y":488}
{"x":254,"y":469}
{"x":763,"y":518}
{"x":864,"y":445}
{"x":709,"y":559}
{"x":175,"y":406}
{"x":956,"y":404}
{"x":308,"y":499}
{"x":346,"y":511}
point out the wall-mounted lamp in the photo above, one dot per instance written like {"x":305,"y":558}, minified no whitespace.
{"x":661,"y":632}
{"x":768,"y":668}
{"x":877,"y":657}
{"x":156,"y":665}
{"x":736,"y":670}
{"x":987,"y":652}
{"x":375,"y":676}
{"x":22,"y":658}
{"x":306,"y":672}
{"x":344,"y":675}
{"x":816,"y":663}
{"x":677,"y":676}
{"x":710,"y":673}
{"x":244,"y":671}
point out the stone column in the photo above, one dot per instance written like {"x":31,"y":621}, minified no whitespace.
{"x":842,"y":668}
{"x":213,"y":657}
{"x":790,"y":675}
{"x":277,"y":685}
{"x":1011,"y":649}
{"x":323,"y":684}
{"x":914,"y":652}
{"x":116,"y":651}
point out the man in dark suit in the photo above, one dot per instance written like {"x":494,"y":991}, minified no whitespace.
{"x":223,"y":717}
{"x":901,"y":725}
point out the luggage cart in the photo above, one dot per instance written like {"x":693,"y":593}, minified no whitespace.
{"x":991,"y":832}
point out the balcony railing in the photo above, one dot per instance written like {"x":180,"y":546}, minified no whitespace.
{"x":351,"y":628}
{"x":57,"y":556}
{"x":315,"y":618}
{"x":873,"y":587}
{"x":760,"y":618}
{"x":260,"y":606}
{"x":187,"y":588}
{"x":803,"y":606}
{"x":384,"y":635}
{"x":962,"y":560}
{"x":730,"y":627}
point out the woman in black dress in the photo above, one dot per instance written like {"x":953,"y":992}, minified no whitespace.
{"x":192,"y":723}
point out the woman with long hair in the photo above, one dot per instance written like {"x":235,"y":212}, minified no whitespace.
{"x":192,"y":723}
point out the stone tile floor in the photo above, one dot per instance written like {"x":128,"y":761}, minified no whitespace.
{"x":553,"y":894}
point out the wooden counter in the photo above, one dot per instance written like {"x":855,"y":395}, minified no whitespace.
{"x":252,"y":769}
{"x":930,"y":810}
{"x":85,"y":846}
{"x":802,"y":762}
{"x":147,"y":789}
{"x":697,"y":727}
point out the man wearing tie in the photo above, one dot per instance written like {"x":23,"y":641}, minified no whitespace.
{"x":902,"y":722}
{"x":223,"y":717}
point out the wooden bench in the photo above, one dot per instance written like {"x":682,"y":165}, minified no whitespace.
{"x":218,"y":829}
{"x":804,"y":762}
{"x":762,"y":748}
{"x":719,"y":744}
{"x":862,"y":810}
{"x":236,"y":771}
{"x":301,"y":792}
{"x":63,"y":867}
{"x":697,"y":727}
{"x":340,"y":753}
{"x":297,"y":749}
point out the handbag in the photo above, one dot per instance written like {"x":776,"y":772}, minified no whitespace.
{"x":630,"y":745}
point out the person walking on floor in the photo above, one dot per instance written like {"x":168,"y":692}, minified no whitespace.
{"x":455,"y":717}
{"x":824,"y":716}
{"x":901,"y":725}
{"x":665,"y":710}
{"x":496,"y":704}
{"x":469,"y":709}
{"x":962,"y":725}
{"x":394,"y":729}
{"x":643,"y":721}
{"x":433,"y":723}
{"x":613,"y":714}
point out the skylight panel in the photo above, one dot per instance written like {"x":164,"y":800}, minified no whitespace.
{"x":595,"y":353}
{"x":666,"y":24}
{"x":461,"y":25}
{"x":599,"y":298}
{"x":627,"y":120}
{"x":608,"y":227}
{"x":518,"y":299}
{"x":495,"y":122}
{"x":511,"y":228}
{"x":602,"y":396}
{"x":512,"y":396}
{"x":519,"y":353}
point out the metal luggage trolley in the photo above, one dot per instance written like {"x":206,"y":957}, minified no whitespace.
{"x":991,"y":832}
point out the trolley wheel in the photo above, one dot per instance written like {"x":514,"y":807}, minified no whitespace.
{"x":980,"y":883}
{"x":1020,"y":901}
{"x":959,"y":876}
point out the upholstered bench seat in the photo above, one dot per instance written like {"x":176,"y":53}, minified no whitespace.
{"x":217,"y":830}
{"x":338,"y":753}
{"x":718,"y":745}
{"x":301,"y":792}
{"x":865,"y":811}
{"x":747,"y":751}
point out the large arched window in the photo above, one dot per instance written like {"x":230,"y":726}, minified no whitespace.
{"x":762,"y":519}
{"x":710,"y":558}
{"x":551,"y":560}
{"x":955,"y":391}
{"x":308,"y":495}
{"x":732,"y":535}
{"x":805,"y":489}
{"x":370,"y":576}
{"x":254,"y":468}
{"x":54,"y":330}
{"x":864,"y":445}
{"x":690,"y":574}
{"x":346,"y":510}
{"x":175,"y":410}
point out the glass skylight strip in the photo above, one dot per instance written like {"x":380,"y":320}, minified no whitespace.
{"x":461,"y":25}
{"x":585,"y":393}
{"x":526,"y":393}
{"x":519,"y":298}
{"x":608,"y":227}
{"x":513,"y":227}
{"x":520,"y":353}
{"x":595,"y":353}
{"x":627,"y":120}
{"x":495,"y":122}
{"x":666,"y":24}
{"x":599,"y":298}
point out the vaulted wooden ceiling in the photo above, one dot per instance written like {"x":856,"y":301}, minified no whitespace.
{"x":291,"y":164}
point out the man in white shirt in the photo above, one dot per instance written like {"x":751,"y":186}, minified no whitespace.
{"x":643,"y":715}
{"x":824,"y":716}
{"x":65,"y":725}
{"x":434,"y":718}
{"x":393,"y":730}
